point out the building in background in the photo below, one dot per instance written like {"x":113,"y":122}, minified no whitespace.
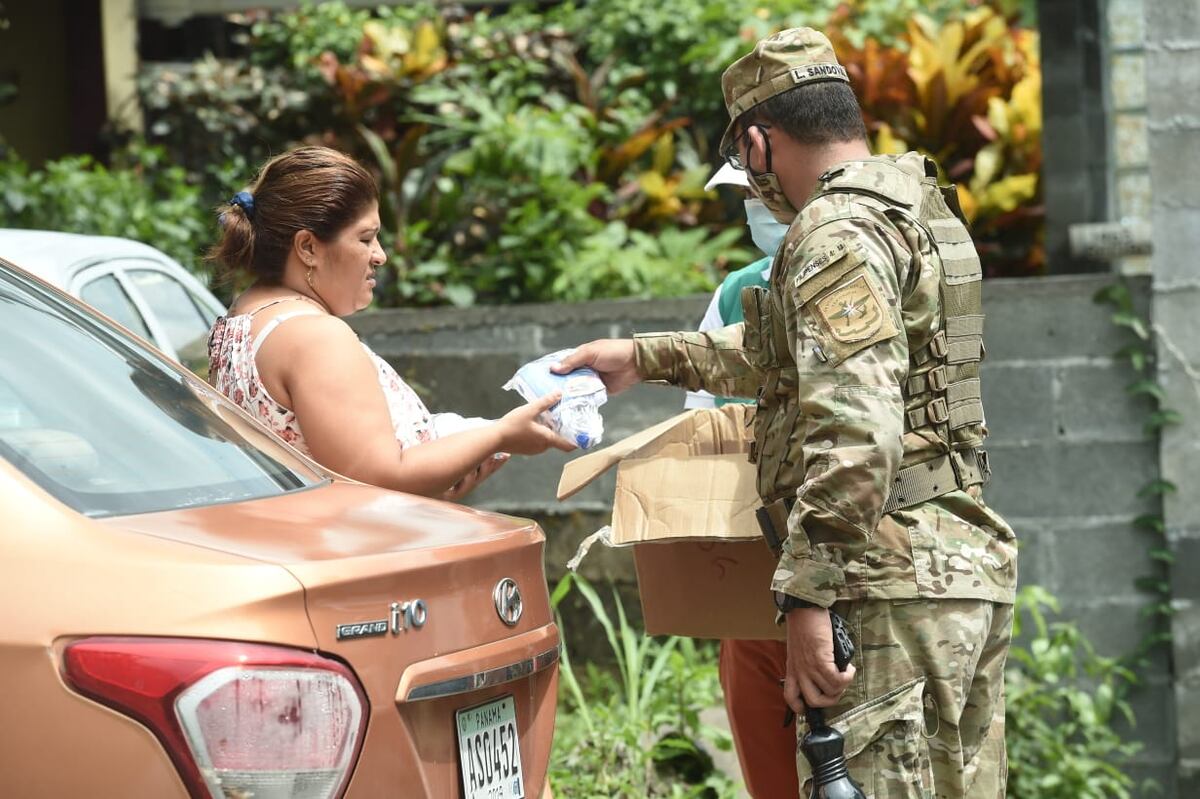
{"x":67,"y":67}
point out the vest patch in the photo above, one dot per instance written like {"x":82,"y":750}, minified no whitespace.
{"x":852,"y":312}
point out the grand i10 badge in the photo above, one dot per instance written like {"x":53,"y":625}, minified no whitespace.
{"x":404,"y":616}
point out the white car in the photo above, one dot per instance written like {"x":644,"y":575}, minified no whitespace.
{"x":132,"y":283}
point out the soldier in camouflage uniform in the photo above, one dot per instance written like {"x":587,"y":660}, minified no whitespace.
{"x":864,"y":353}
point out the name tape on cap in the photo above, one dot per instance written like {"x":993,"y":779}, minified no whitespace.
{"x":819,"y":71}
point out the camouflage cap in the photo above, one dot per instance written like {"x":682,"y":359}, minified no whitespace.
{"x":779,"y":62}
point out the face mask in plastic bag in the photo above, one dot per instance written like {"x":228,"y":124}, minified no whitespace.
{"x":577,"y":415}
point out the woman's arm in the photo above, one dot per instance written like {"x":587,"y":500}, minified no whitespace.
{"x":334,"y":390}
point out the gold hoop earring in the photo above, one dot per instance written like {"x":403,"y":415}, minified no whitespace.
{"x":308,"y":278}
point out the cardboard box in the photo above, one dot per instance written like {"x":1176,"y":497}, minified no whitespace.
{"x":685,"y":501}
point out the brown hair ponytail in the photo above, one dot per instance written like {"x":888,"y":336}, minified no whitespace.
{"x":235,"y":251}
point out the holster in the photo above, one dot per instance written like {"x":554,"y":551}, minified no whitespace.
{"x":772,"y":520}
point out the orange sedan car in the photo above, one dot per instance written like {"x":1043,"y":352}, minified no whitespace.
{"x":191,"y":608}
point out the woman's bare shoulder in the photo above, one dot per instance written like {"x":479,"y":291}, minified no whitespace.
{"x":316,"y":333}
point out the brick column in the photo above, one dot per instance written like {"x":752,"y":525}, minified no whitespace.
{"x":1125,"y":60}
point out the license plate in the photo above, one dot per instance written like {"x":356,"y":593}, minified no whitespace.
{"x":488,"y":754}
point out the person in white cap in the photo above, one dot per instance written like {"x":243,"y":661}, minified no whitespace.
{"x":751,"y":669}
{"x":726,"y":306}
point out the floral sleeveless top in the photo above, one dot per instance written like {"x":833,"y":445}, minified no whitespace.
{"x":233,"y":372}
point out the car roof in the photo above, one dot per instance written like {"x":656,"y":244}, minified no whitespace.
{"x":54,"y":256}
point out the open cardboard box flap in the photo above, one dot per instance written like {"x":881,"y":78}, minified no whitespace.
{"x":685,"y":478}
{"x":685,"y":500}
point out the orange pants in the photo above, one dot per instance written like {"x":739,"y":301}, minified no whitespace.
{"x":750,"y":674}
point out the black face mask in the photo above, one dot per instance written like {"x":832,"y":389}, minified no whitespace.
{"x":766,"y":186}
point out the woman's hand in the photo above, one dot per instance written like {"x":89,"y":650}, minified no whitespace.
{"x":476,"y":476}
{"x":522,"y":433}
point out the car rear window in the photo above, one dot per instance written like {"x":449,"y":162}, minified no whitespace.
{"x":106,"y":295}
{"x":184,"y":324}
{"x":110,"y":428}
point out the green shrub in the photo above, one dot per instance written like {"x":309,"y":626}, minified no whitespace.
{"x":534,"y":154}
{"x":220,"y":120}
{"x":620,"y":262}
{"x":508,"y":204}
{"x":142,"y":197}
{"x":296,"y":39}
{"x":672,"y":52}
{"x":1062,"y":701}
{"x":636,"y":732}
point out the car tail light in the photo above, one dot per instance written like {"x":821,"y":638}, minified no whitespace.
{"x":236,"y":719}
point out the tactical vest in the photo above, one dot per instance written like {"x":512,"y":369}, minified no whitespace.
{"x":942,"y":400}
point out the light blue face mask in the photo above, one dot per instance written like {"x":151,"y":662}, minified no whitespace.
{"x":765,"y":229}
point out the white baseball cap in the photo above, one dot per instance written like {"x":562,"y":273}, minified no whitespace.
{"x":728,"y":175}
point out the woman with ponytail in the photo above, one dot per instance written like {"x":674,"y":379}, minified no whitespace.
{"x":307,"y":232}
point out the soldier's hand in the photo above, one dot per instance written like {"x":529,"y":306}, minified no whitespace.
{"x":612,"y":358}
{"x":812,"y":678}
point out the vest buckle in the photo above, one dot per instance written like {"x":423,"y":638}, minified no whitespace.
{"x":938,"y":345}
{"x":971,"y":467}
{"x":937,"y":379}
{"x":937,"y":411}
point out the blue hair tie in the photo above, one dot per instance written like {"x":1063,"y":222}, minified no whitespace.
{"x":245,"y":201}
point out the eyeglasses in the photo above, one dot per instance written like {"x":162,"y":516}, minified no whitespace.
{"x":734,"y":156}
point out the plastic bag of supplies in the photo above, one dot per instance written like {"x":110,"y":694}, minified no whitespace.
{"x":577,"y":416}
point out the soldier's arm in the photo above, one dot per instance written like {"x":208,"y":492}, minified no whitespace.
{"x":712,"y":321}
{"x":712,"y":360}
{"x":843,"y":309}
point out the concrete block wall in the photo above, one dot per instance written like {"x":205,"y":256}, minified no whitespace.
{"x":1172,"y":45}
{"x":1067,"y":443}
{"x":1069,"y":454}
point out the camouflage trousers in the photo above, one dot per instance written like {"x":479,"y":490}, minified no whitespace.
{"x":924,"y":716}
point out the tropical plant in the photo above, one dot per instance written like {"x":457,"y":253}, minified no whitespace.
{"x":621,"y":262}
{"x":513,"y":148}
{"x":635,"y":732}
{"x":510,"y":201}
{"x":517,"y":189}
{"x":669,"y":52}
{"x":1063,"y":700}
{"x":967,"y":92}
